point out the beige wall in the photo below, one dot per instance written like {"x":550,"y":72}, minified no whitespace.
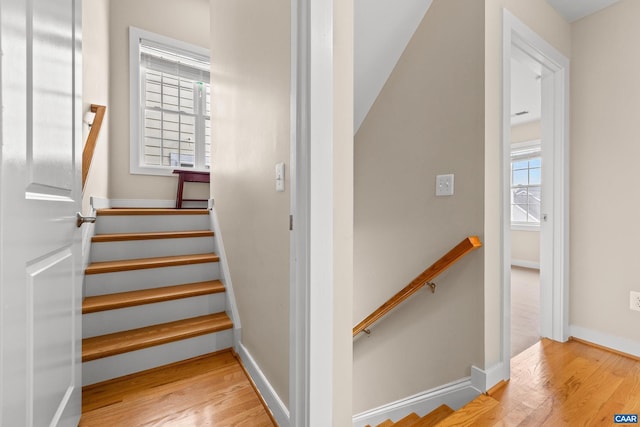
{"x":185,"y":20}
{"x":605,"y":90}
{"x":343,"y":212}
{"x":428,"y":120}
{"x":250,"y":77}
{"x":547,"y":23}
{"x":95,"y":90}
{"x":525,"y":244}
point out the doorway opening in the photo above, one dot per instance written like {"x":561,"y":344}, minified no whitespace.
{"x":525,"y":199}
{"x":520,"y":43}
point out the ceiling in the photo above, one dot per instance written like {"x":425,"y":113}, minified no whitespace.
{"x":526,"y":95}
{"x":572,"y":10}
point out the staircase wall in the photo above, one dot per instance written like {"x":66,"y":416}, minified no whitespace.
{"x":428,"y":120}
{"x":251,"y":90}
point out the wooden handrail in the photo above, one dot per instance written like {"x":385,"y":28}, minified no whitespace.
{"x":92,"y":139}
{"x":467,"y":245}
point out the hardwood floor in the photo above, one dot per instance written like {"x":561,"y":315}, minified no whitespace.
{"x":566,"y":384}
{"x":525,"y":308}
{"x":210,"y":390}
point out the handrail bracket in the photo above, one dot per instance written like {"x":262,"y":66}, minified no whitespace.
{"x":432,"y":286}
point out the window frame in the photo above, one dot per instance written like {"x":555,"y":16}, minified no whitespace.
{"x":515,"y":147}
{"x":136,"y":131}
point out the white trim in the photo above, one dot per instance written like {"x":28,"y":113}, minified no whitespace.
{"x":278,"y":409}
{"x":613,"y":342}
{"x":554,"y":302}
{"x":320,"y":243}
{"x":484,"y":379}
{"x":525,"y":263}
{"x":299,"y":281}
{"x":99,"y":203}
{"x":455,"y":395}
{"x":525,"y":227}
{"x":232,"y":308}
{"x":311,"y":304}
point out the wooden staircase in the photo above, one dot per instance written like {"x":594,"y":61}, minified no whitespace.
{"x":152,"y":292}
{"x":478,"y":412}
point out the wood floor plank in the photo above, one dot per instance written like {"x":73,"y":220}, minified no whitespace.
{"x":144,"y":263}
{"x":136,"y":339}
{"x":150,"y":211}
{"x":467,"y":415}
{"x":210,"y":390}
{"x":407,"y":421}
{"x":434,"y":417}
{"x":124,"y":237}
{"x":148,"y":296}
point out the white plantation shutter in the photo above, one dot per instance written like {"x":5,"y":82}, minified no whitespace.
{"x":175,"y":107}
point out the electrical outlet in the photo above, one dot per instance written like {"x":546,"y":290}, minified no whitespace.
{"x":634,"y":301}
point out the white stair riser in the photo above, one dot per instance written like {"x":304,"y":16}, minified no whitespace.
{"x":124,"y":281}
{"x":135,"y":361}
{"x":148,"y":223}
{"x":111,"y":251}
{"x":109,"y":321}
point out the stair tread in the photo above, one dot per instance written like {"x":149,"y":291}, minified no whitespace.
{"x":407,"y":421}
{"x":148,"y":296}
{"x":142,"y":263}
{"x":386,"y":423}
{"x":150,"y":211}
{"x":434,"y":417}
{"x":136,"y":339}
{"x":469,"y":413}
{"x":121,"y":237}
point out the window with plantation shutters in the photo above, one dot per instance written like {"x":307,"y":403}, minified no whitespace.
{"x":172,"y":126}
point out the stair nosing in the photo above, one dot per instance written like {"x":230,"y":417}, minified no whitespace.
{"x":94,"y":304}
{"x":146,"y":263}
{"x":126,"y":237}
{"x":146,"y":338}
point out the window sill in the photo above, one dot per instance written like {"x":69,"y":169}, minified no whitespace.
{"x":162,"y":171}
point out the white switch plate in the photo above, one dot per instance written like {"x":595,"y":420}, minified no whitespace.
{"x":634,"y":301}
{"x":444,"y":185}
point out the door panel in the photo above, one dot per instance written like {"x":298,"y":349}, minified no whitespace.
{"x":40,"y":277}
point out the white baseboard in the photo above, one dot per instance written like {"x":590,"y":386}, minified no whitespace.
{"x":525,"y":263}
{"x":484,"y":379}
{"x":455,"y":395}
{"x":278,"y":409}
{"x":99,"y":203}
{"x":623,"y":345}
{"x":224,"y":270}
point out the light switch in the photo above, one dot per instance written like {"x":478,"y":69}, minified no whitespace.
{"x":444,"y":185}
{"x":280,"y":176}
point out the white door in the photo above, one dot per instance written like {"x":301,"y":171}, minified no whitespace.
{"x":40,"y":271}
